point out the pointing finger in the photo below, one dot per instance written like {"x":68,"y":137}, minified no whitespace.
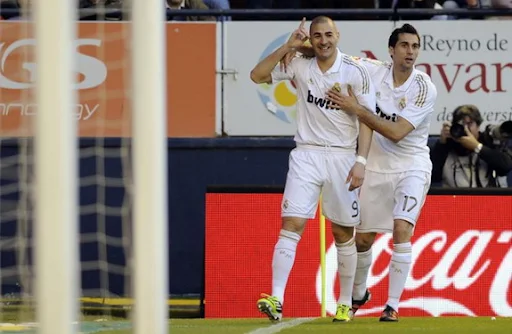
{"x":301,"y":26}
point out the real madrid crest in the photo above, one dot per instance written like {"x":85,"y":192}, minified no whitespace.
{"x":402,"y":103}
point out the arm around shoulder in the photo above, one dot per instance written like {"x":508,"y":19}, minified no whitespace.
{"x":419,"y":104}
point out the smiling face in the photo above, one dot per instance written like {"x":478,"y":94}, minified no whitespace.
{"x":406,"y":50}
{"x":324,"y":38}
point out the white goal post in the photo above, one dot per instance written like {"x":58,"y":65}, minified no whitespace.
{"x":150,"y":167}
{"x":56,"y":169}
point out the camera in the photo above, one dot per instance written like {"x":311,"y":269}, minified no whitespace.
{"x":460,"y":113}
{"x":501,"y":132}
{"x":457,"y":130}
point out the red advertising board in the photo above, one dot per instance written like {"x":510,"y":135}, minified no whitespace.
{"x":462,"y":259}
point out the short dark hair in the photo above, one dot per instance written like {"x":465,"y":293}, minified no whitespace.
{"x":468,"y":110}
{"x":405,"y":29}
{"x":320,"y":19}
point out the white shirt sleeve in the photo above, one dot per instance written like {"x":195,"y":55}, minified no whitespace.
{"x":278,"y":75}
{"x":363,"y":88}
{"x":420,"y":101}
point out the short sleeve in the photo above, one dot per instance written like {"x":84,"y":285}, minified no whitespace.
{"x":420,"y":101}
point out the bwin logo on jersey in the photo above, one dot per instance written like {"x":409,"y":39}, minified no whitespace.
{"x":392,"y":117}
{"x":320,"y":102}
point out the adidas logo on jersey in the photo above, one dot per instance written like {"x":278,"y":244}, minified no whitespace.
{"x":392,"y":117}
{"x":320,"y":102}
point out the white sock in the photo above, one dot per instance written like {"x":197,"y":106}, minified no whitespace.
{"x":282,"y":262}
{"x":398,"y":272}
{"x":364,"y":261}
{"x":347,"y":262}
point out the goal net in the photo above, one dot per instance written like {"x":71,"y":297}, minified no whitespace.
{"x":103,"y":68}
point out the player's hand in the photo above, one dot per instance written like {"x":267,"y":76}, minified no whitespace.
{"x":303,"y":29}
{"x":468,"y":141}
{"x":303,"y":33}
{"x":347,"y":103}
{"x":356,"y":176}
{"x":445,"y":132}
{"x":298,"y":37}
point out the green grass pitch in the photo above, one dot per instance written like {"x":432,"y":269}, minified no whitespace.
{"x":449,"y":325}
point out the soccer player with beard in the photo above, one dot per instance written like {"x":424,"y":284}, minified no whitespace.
{"x":399,"y":167}
{"x":325,"y":158}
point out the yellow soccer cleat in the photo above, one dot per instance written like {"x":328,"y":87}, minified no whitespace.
{"x":343,"y":314}
{"x":271,"y":307}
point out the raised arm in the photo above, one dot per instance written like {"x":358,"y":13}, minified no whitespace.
{"x":262,"y":72}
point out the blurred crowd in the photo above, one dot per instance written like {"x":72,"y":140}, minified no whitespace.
{"x":14,"y":9}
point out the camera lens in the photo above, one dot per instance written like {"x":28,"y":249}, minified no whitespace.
{"x":457,"y":130}
{"x":506,"y":129}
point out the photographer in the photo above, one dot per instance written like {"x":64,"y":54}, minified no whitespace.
{"x":465,"y":157}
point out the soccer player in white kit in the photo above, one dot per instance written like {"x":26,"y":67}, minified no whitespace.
{"x":399,"y":167}
{"x":325,"y":158}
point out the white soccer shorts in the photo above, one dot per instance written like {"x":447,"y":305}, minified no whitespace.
{"x":388,"y":196}
{"x":313,"y":170}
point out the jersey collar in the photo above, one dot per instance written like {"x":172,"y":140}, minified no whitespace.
{"x":389,"y":80}
{"x":336,"y":67}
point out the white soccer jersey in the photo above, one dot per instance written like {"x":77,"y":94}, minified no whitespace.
{"x":414,"y":101}
{"x":318,"y":123}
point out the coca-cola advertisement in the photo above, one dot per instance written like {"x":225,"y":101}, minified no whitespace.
{"x":461,"y":266}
